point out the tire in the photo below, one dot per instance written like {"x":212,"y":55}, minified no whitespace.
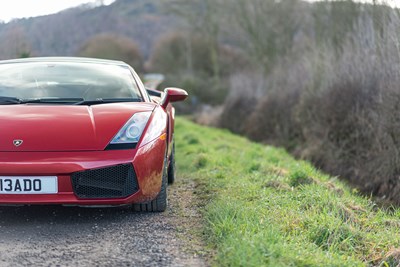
{"x":159,"y":204}
{"x":171,"y":167}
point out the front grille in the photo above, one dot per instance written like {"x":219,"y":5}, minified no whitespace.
{"x":111,"y":182}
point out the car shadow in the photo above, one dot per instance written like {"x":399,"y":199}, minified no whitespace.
{"x":61,"y":215}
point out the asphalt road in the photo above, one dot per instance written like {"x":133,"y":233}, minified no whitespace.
{"x":72,"y":236}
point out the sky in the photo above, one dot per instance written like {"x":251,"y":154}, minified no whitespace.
{"x":11,"y":9}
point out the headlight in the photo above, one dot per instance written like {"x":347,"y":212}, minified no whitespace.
{"x":157,"y":126}
{"x":132,"y":130}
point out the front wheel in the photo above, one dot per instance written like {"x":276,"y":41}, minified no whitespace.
{"x":159,"y":204}
{"x":171,"y":167}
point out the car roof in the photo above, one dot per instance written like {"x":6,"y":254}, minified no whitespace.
{"x":64,"y":59}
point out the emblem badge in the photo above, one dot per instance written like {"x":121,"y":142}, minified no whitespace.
{"x":17,"y":143}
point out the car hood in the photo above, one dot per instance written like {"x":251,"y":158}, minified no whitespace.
{"x":63,"y":127}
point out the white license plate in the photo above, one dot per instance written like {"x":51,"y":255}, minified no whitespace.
{"x":28,"y":185}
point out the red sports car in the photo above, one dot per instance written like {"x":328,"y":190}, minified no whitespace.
{"x":79,"y":131}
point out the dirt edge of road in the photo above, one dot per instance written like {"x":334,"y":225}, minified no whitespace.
{"x":185,"y":209}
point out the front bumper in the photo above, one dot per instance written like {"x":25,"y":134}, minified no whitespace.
{"x":147,"y":162}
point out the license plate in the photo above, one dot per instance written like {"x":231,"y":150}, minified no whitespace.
{"x":28,"y":185}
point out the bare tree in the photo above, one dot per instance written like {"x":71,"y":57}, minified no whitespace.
{"x":111,"y":46}
{"x":203,"y":17}
{"x":15,"y":43}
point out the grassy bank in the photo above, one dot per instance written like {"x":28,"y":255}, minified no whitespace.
{"x":264,"y":208}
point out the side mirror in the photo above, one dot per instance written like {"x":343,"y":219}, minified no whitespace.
{"x":153,"y":92}
{"x":173,"y":95}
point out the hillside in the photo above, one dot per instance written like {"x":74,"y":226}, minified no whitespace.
{"x":264,"y":208}
{"x":65,"y":32}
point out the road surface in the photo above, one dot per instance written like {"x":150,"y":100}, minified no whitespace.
{"x":72,"y":236}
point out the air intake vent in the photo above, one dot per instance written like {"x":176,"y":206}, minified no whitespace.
{"x":111,"y":182}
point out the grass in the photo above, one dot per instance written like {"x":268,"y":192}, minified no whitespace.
{"x":264,"y":208}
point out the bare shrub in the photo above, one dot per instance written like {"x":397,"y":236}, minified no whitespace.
{"x":111,"y":46}
{"x":208,"y":115}
{"x":245,"y":90}
{"x":171,"y":53}
{"x":350,"y":124}
{"x":338,"y":106}
{"x":274,"y":119}
{"x":323,"y":82}
{"x":15,"y":43}
{"x":188,"y":62}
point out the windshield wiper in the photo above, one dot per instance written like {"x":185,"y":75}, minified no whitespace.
{"x":6,"y":100}
{"x":51,"y":100}
{"x":106,"y":101}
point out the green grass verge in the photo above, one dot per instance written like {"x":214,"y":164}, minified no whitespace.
{"x":264,"y":208}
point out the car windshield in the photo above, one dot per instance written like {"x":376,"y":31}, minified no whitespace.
{"x":65,"y":80}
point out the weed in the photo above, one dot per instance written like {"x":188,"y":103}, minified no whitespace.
{"x":193,"y":141}
{"x":201,"y":161}
{"x":300,"y":177}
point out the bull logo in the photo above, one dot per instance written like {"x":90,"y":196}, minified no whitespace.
{"x":17,"y":143}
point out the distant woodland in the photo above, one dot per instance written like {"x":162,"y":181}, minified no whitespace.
{"x":64,"y":33}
